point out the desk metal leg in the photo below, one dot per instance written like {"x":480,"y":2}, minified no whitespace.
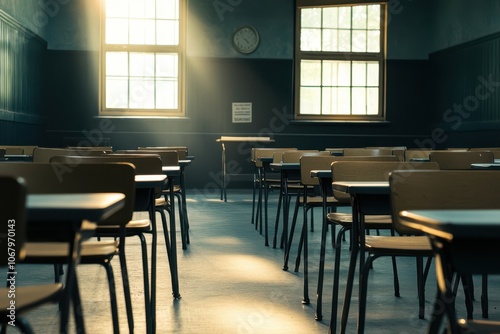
{"x":173,"y":244}
{"x":223,"y":192}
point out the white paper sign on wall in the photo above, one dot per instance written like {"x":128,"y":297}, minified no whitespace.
{"x":242,"y":112}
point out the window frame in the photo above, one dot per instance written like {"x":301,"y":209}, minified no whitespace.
{"x":380,"y":57}
{"x":179,"y":49}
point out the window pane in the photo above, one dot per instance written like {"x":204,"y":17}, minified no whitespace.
{"x":344,"y":101}
{"x":359,"y":101}
{"x":142,"y":32}
{"x":345,"y":40}
{"x":330,"y":17}
{"x":311,"y":18}
{"x":310,"y":100}
{"x":167,"y":9}
{"x":142,"y":93}
{"x":344,"y":73}
{"x":372,"y":101}
{"x":116,"y":31}
{"x":142,"y":65}
{"x":359,"y":74}
{"x":116,"y":92}
{"x":167,"y":32}
{"x":373,"y":41}
{"x":359,"y":41}
{"x":310,"y":73}
{"x":117,"y":8}
{"x":142,"y":9}
{"x":310,"y":40}
{"x":166,"y":94}
{"x":167,"y":65}
{"x":345,"y":17}
{"x":372,"y":74}
{"x":374,"y":17}
{"x":116,"y":64}
{"x":359,"y":17}
{"x":330,"y":40}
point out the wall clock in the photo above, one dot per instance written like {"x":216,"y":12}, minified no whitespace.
{"x":246,"y":39}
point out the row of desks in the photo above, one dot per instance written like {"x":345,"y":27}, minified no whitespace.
{"x":447,"y":225}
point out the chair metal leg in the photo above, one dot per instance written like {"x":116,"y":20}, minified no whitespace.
{"x":484,"y":296}
{"x":276,"y":224}
{"x":145,"y":273}
{"x":292,"y":231}
{"x":336,"y":279}
{"x":112,"y":296}
{"x":126,"y":284}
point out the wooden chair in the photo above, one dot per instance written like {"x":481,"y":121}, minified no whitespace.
{"x":19,"y":149}
{"x":47,"y":178}
{"x":263,"y":180}
{"x":182,"y":151}
{"x":44,"y":154}
{"x":371,"y":171}
{"x":12,"y":209}
{"x":169,"y":158}
{"x":145,"y":164}
{"x":452,"y":189}
{"x":366,"y":151}
{"x":398,"y":151}
{"x":460,"y":159}
{"x":414,"y":154}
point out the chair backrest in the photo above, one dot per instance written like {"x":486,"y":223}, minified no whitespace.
{"x":495,"y":150}
{"x":12,"y":218}
{"x":267,"y":152}
{"x":103,"y":149}
{"x":18,"y":149}
{"x":294,"y":156}
{"x":460,"y":159}
{"x":43,"y":154}
{"x":168,"y":157}
{"x":43,"y":178}
{"x":321,"y":162}
{"x":145,"y":164}
{"x":366,"y":151}
{"x":182,"y":151}
{"x":450,"y":189}
{"x":371,"y":171}
{"x":398,"y":151}
{"x":417,"y":154}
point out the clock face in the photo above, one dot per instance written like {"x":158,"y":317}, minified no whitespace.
{"x":246,"y":39}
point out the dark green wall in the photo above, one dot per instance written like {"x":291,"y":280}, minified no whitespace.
{"x":218,"y":76}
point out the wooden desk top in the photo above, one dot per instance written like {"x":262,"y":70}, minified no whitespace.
{"x":285,"y":165}
{"x":60,"y":207}
{"x":148,"y":181}
{"x":490,"y":166}
{"x":363,"y":187}
{"x":244,"y":139}
{"x":450,"y":224}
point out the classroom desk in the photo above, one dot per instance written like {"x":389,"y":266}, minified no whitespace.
{"x":229,"y":139}
{"x":54,"y":213}
{"x":150,"y":183}
{"x":325,"y":182}
{"x":266,"y":161}
{"x":287,"y":171}
{"x":367,"y":198}
{"x":465,"y":241}
{"x":490,"y":166}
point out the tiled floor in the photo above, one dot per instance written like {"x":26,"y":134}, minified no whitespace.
{"x":231,"y":283}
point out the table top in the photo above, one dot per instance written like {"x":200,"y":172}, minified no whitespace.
{"x":495,"y":165}
{"x":154,"y":180}
{"x":321,"y":173}
{"x":244,"y":139}
{"x":285,"y":165}
{"x":450,"y":224}
{"x":362,"y":187}
{"x":58,"y":207}
{"x":171,"y":170}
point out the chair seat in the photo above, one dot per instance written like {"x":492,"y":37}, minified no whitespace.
{"x":28,"y":297}
{"x":161,"y":202}
{"x":392,"y":243}
{"x":132,"y":226}
{"x":57,"y":250}
{"x":372,"y":221}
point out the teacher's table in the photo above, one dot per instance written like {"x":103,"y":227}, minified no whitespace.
{"x":229,"y":139}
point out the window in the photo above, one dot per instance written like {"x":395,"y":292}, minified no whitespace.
{"x":340,"y":58}
{"x":142,"y":58}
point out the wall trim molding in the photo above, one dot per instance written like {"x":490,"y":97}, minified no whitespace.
{"x":18,"y":26}
{"x":16,"y":117}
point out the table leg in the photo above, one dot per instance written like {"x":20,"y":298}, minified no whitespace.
{"x":223,"y":192}
{"x":173,"y":244}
